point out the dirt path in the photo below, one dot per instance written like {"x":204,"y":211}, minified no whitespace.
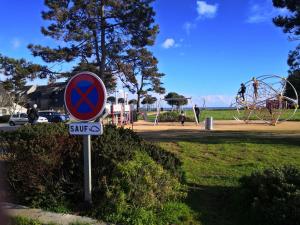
{"x":47,"y":217}
{"x":174,"y":131}
{"x":222,"y":125}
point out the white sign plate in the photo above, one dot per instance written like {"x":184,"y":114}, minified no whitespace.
{"x":85,"y":129}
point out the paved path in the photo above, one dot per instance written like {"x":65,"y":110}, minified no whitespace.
{"x":6,"y":127}
{"x":47,"y":217}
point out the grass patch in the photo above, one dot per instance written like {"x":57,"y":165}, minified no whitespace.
{"x":222,"y":164}
{"x":78,"y":223}
{"x":217,"y":115}
{"x":214,"y":165}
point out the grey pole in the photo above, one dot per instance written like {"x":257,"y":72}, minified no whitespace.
{"x":87,"y":168}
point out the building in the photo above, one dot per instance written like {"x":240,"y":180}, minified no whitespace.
{"x":47,"y":96}
{"x":7,"y":106}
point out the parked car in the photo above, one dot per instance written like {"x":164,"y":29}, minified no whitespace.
{"x":53,"y":117}
{"x":67,"y":116}
{"x":22,"y":118}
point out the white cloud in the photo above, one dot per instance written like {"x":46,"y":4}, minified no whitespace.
{"x":206,"y":10}
{"x":169,"y":43}
{"x":16,"y":43}
{"x":188,"y":27}
{"x":263,"y":12}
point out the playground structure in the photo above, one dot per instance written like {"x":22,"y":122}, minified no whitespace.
{"x":118,"y":113}
{"x":269,"y":98}
{"x":159,"y":107}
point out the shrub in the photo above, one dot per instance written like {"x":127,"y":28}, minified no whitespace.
{"x":139,"y":189}
{"x":173,"y":117}
{"x":168,"y":160}
{"x":44,"y":165}
{"x":169,"y":214}
{"x":176,"y":213}
{"x":273,"y":196}
{"x":130,"y":177}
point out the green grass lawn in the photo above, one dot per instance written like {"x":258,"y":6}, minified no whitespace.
{"x":213,"y":166}
{"x":217,"y":115}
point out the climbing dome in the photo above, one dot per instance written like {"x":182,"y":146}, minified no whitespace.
{"x":274,"y":100}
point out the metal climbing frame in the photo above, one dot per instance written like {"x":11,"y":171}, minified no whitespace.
{"x":271,"y":105}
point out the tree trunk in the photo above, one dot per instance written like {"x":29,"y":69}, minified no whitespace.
{"x":97,"y":50}
{"x":103,"y":47}
{"x":138,"y":102}
{"x":96,"y":43}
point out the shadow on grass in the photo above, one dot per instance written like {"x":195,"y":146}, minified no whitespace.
{"x":217,"y":205}
{"x":221,"y":137}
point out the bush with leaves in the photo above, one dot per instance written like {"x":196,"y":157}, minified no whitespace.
{"x":131,"y":179}
{"x":44,"y":165}
{"x":273,"y":196}
{"x":173,"y":117}
{"x":140,"y":189}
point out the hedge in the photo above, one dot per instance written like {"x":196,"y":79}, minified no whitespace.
{"x":273,"y":196}
{"x":131,"y":179}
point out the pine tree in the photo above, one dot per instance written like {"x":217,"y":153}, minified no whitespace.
{"x":16,"y":72}
{"x":95,"y":33}
{"x":290,"y":24}
{"x":176,"y":99}
{"x":149,"y":100}
{"x":139,"y":73}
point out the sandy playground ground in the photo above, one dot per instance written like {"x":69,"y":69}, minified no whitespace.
{"x":220,"y":128}
{"x":221,"y":125}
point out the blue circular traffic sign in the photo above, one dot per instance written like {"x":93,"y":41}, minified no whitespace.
{"x":85,"y":96}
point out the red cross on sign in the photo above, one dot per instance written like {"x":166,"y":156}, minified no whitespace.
{"x":85,"y":96}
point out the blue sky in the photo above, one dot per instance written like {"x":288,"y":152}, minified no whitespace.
{"x":205,"y":48}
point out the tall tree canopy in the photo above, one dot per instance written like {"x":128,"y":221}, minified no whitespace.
{"x":96,"y":33}
{"x":132,"y":102}
{"x":174,"y":99}
{"x":290,"y":24}
{"x":16,"y":71}
{"x":149,"y":100}
{"x":139,"y":73}
{"x":111,"y":99}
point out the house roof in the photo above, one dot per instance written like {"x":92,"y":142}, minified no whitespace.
{"x":47,"y":89}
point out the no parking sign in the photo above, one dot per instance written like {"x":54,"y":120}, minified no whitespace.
{"x":85,"y":96}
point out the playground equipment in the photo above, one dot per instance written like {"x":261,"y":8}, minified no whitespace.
{"x":269,"y":98}
{"x":159,"y":107}
{"x":119,"y":113}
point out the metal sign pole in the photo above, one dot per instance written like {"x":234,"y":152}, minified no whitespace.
{"x":87,"y":168}
{"x":87,"y":105}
